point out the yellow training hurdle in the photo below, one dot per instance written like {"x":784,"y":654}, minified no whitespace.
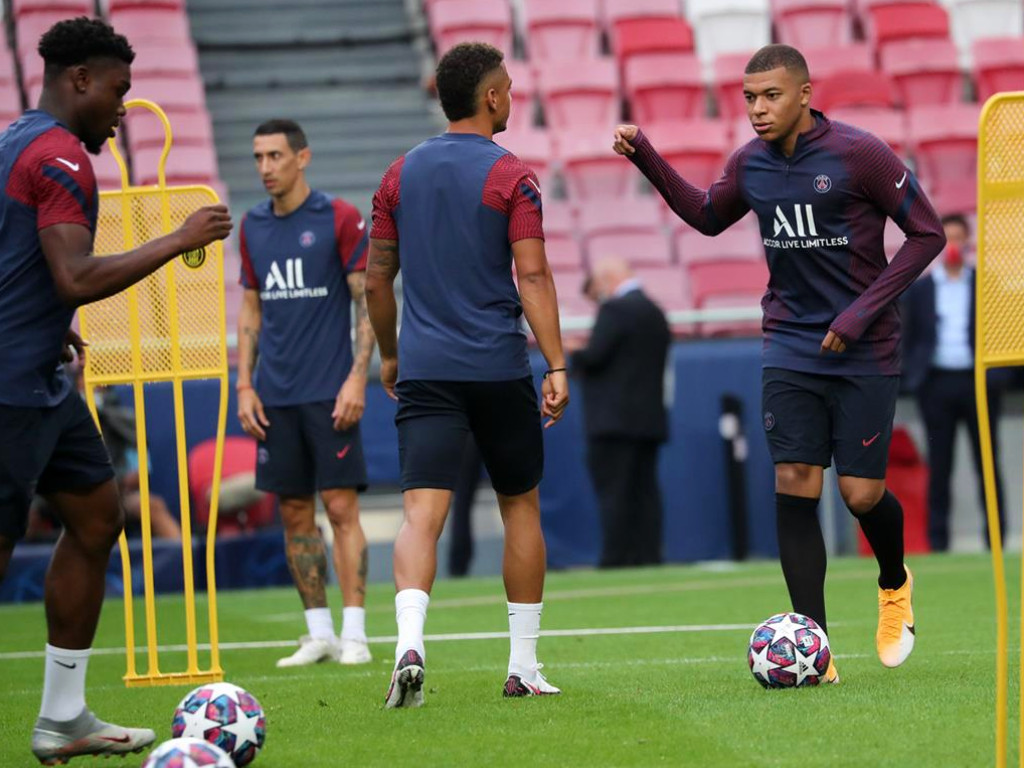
{"x":170,"y":327}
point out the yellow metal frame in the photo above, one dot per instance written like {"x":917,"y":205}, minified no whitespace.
{"x":998,"y":302}
{"x":137,"y":375}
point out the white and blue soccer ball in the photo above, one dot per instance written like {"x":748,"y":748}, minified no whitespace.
{"x":789,"y":650}
{"x":224,"y":715}
{"x":188,"y":753}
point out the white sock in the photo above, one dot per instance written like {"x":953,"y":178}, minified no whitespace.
{"x":320,"y":623}
{"x":64,"y":683}
{"x":523,"y":632}
{"x":411,"y":614}
{"x":353,"y":623}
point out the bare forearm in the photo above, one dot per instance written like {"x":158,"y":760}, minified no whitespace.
{"x":96,"y":278}
{"x":382,"y":310}
{"x":363,"y":347}
{"x":248,"y":344}
{"x":540,"y":305}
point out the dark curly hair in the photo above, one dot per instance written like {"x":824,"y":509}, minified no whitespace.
{"x":74,"y":41}
{"x":459,"y":74}
{"x":774,"y":56}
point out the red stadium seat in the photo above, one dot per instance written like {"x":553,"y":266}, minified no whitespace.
{"x":944,"y":140}
{"x":851,"y":60}
{"x":121,"y":5}
{"x":185,"y":165}
{"x":152,"y":23}
{"x":562,"y":31}
{"x":144,"y":129}
{"x":869,"y":89}
{"x":973,"y":20}
{"x":728,"y":284}
{"x":29,"y":27}
{"x":624,"y":10}
{"x":533,"y":147}
{"x":563,"y":249}
{"x":627,"y":229}
{"x":665,"y":286}
{"x":7,"y":73}
{"x":664,"y":86}
{"x":575,"y":95}
{"x":571,"y":301}
{"x":998,"y":65}
{"x":812,"y":23}
{"x":740,"y":242}
{"x":524,"y":94}
{"x":728,"y":76}
{"x":456,"y":21}
{"x":887,"y":124}
{"x":10,"y":99}
{"x":157,"y":59}
{"x":697,"y":149}
{"x":591,"y":171}
{"x":637,"y":36}
{"x":173,"y":94}
{"x":69,"y":8}
{"x":925,"y":71}
{"x":904,"y":21}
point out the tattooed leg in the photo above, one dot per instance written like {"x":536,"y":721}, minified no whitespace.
{"x":304,"y":550}
{"x":350,"y":555}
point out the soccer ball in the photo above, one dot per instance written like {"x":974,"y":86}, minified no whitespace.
{"x":788,"y":651}
{"x":224,"y":715}
{"x":187,"y":753}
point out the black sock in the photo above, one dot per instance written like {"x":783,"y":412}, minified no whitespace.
{"x":883,"y":528}
{"x":802,"y":554}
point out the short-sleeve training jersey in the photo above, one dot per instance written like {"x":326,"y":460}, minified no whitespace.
{"x":455,"y":204}
{"x":299,"y":263}
{"x":822,"y":214}
{"x":46,"y":178}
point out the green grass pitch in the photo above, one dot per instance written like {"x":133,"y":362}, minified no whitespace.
{"x":632,"y":696}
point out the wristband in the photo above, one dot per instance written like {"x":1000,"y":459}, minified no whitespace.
{"x":242,"y":387}
{"x":549,"y":371}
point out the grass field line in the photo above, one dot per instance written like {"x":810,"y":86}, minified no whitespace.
{"x":631,"y":590}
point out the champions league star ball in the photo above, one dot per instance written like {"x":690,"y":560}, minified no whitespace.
{"x":788,"y":651}
{"x":188,"y":753}
{"x":224,"y":715}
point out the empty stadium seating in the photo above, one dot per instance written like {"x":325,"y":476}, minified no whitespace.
{"x":812,"y":23}
{"x":641,"y":36}
{"x":591,"y":170}
{"x":664,"y":86}
{"x":728,"y":78}
{"x":887,"y":23}
{"x":562,"y":31}
{"x":164,"y":59}
{"x":868,"y":89}
{"x":998,"y":65}
{"x":627,"y":229}
{"x":851,"y":60}
{"x":108,"y":173}
{"x":666,"y":286}
{"x":887,"y":124}
{"x":144,"y":129}
{"x":524,"y":93}
{"x":727,"y":284}
{"x":571,"y":301}
{"x":740,"y":242}
{"x":697,"y":149}
{"x":944,"y":141}
{"x":924,"y":71}
{"x":576,"y":96}
{"x":533,"y":147}
{"x":973,"y":20}
{"x":185,"y":165}
{"x":728,"y":26}
{"x":455,"y":21}
{"x":69,"y":8}
{"x":622,"y":10}
{"x":152,"y":23}
{"x":563,"y":248}
{"x":173,"y":94}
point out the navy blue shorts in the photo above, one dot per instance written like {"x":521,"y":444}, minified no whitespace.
{"x":435,"y":417}
{"x":811,"y":418}
{"x":303,"y":453}
{"x":47,"y":450}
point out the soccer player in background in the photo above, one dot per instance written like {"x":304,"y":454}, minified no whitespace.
{"x":454,"y":214}
{"x":822,"y":192}
{"x":303,"y":271}
{"x":49,"y":206}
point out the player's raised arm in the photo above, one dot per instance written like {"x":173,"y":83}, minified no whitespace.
{"x":81,"y":279}
{"x":887,"y":182}
{"x":708,"y":211}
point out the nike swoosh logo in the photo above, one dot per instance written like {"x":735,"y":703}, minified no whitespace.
{"x":899,"y":184}
{"x":66,"y":666}
{"x":343,"y":452}
{"x":866,"y":443}
{"x":69,"y":164}
{"x":121,"y":740}
{"x":362,"y":225}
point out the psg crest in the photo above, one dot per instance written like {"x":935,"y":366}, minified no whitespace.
{"x":822,"y":184}
{"x":194,"y":259}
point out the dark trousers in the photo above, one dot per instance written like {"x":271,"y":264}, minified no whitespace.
{"x":945,"y":400}
{"x":625,"y":476}
{"x":460,"y":550}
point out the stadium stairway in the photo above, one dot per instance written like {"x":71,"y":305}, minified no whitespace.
{"x":349,"y":71}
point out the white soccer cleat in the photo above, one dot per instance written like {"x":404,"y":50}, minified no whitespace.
{"x":518,"y":686}
{"x":406,"y":689}
{"x":311,"y":651}
{"x":354,"y":652}
{"x":54,"y":743}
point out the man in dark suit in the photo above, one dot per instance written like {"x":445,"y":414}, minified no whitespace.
{"x":938,"y":367}
{"x":622,"y":372}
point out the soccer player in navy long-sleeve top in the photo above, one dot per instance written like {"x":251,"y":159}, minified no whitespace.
{"x":822,"y":192}
{"x":49,"y":444}
{"x":454,"y":214}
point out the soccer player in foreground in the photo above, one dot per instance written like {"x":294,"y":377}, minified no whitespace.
{"x":303,"y":271}
{"x":454,"y":214}
{"x":822,"y":192}
{"x":48,"y":212}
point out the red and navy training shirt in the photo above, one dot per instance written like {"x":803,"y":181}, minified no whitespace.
{"x":300,"y":263}
{"x":455,"y":204}
{"x":822,"y":214}
{"x":46,"y":178}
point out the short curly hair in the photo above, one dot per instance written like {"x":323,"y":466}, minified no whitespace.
{"x":775,"y":56}
{"x":459,"y":74}
{"x":74,"y":41}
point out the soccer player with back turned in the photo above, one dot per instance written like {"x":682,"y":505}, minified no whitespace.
{"x":454,"y":214}
{"x":822,"y":191}
{"x":49,"y":444}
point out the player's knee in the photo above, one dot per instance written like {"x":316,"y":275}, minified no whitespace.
{"x":343,"y":511}
{"x":861,"y":498}
{"x":793,"y":478}
{"x":298,"y":516}
{"x":100,"y":532}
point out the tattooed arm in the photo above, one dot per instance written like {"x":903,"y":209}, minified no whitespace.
{"x":250,"y":408}
{"x":351,"y":400}
{"x":382,"y":307}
